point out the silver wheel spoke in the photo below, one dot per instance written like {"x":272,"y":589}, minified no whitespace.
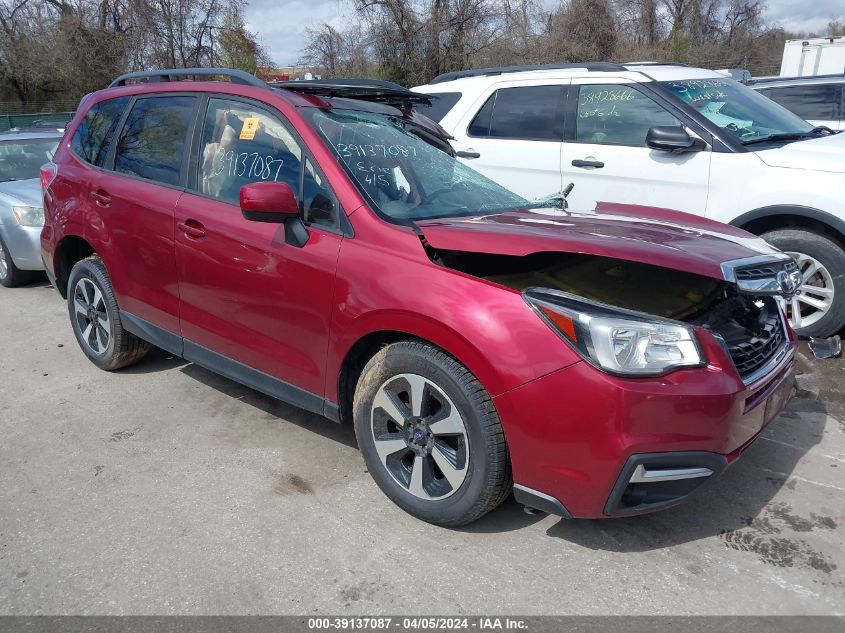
{"x":103,"y":319}
{"x":86,"y":334}
{"x":816,"y":303}
{"x":452,"y":424}
{"x":795,"y":312}
{"x":416,"y":487}
{"x":102,"y":339}
{"x":454,"y":476}
{"x":389,"y":403}
{"x":388,"y":447}
{"x":98,"y":298}
{"x":810,"y":270}
{"x":417,"y":386}
{"x":80,"y":307}
{"x":816,"y":290}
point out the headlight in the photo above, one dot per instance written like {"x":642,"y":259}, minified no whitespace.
{"x":29,"y":216}
{"x":617,"y":341}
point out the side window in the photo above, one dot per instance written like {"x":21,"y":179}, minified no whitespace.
{"x":532,"y":113}
{"x":243,"y":144}
{"x":93,"y":137}
{"x":480,"y":125}
{"x":614,"y":114}
{"x":152,"y":142}
{"x":441,"y":103}
{"x":819,"y":102}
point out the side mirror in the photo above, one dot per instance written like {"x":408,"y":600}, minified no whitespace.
{"x":672,"y":138}
{"x":268,"y":202}
{"x":274,"y":202}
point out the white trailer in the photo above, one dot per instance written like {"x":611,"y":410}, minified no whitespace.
{"x":813,"y":56}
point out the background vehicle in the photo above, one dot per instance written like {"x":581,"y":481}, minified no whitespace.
{"x":668,"y":136}
{"x":324,"y":251}
{"x":813,"y":56}
{"x":21,"y":214}
{"x":819,"y":100}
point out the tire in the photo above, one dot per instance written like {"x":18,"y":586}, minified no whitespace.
{"x":90,"y":297}
{"x":10,"y":275}
{"x":814,"y":250}
{"x":462,"y":458}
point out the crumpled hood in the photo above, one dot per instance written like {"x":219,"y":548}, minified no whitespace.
{"x":826,"y":153}
{"x":22,"y":192}
{"x":649,"y":235}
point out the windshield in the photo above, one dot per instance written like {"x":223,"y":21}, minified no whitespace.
{"x":21,"y":159}
{"x":745,"y":113}
{"x":403,"y":177}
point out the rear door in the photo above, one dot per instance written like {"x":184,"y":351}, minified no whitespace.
{"x":136,"y":199}
{"x":247,"y":295}
{"x":513,"y":135}
{"x":606,"y":158}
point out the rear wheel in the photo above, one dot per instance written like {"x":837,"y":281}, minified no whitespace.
{"x":96,"y":319}
{"x":430,"y":435}
{"x":819,"y":307}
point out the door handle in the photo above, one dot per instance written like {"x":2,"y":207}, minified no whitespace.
{"x":587,"y":163}
{"x":192,"y":229}
{"x":101,"y":197}
{"x":467,"y":153}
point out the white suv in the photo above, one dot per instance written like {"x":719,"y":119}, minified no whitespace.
{"x":668,"y":136}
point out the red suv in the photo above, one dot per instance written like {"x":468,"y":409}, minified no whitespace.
{"x":326,"y":251}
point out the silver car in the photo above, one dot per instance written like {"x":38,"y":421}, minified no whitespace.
{"x":21,"y":207}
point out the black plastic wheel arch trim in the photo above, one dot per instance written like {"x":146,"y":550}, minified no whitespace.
{"x":539,"y":501}
{"x":812,"y":213}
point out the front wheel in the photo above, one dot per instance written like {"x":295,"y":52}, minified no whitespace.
{"x":819,"y":307}
{"x":430,"y":435}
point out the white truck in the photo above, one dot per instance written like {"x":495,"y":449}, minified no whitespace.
{"x":813,"y":56}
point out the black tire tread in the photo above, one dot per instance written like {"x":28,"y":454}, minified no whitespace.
{"x":128,"y":348}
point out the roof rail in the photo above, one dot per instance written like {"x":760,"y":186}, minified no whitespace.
{"x":153,"y":76}
{"x":478,"y":72}
{"x":378,"y":90}
{"x":654,"y":63}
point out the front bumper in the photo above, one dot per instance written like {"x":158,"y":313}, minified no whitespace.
{"x":24,"y":244}
{"x":602,"y":446}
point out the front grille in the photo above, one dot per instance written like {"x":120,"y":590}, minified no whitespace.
{"x":751,"y":330}
{"x":765,"y":272}
{"x":751,"y":354}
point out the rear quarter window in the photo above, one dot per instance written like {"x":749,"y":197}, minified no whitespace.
{"x":152,"y":142}
{"x":94,"y":135}
{"x":441,"y":104}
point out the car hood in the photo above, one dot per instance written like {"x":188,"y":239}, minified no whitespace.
{"x":649,"y":235}
{"x":26,"y":192}
{"x":826,"y":153}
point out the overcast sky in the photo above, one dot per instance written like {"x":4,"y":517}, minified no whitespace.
{"x":281,"y":24}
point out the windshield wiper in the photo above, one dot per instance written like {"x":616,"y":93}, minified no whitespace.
{"x":791,"y":136}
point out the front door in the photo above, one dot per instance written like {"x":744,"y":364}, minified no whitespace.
{"x":513,"y":136}
{"x":606,"y":158}
{"x":245,"y":294}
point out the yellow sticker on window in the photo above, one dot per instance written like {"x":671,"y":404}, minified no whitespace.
{"x":249,"y":128}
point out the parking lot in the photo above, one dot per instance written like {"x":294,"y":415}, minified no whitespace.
{"x":166,"y":489}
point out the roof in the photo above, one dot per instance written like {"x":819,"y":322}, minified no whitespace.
{"x":23,"y":135}
{"x":657,"y":71}
{"x":791,"y":81}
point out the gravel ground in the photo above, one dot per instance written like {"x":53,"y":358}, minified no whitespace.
{"x":165,"y":489}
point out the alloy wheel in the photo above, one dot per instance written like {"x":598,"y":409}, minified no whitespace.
{"x":815,"y":296}
{"x":420,"y":436}
{"x":4,"y":267}
{"x":92,"y":318}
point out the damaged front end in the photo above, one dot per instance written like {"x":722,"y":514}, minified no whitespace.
{"x":637,"y":319}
